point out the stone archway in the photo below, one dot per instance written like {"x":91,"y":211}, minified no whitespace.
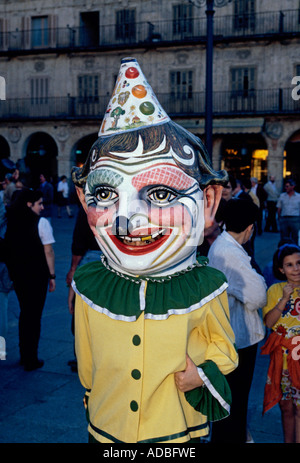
{"x":82,"y":147}
{"x":292,"y":158}
{"x":245,"y":155}
{"x":6,"y":165}
{"x":41,"y":157}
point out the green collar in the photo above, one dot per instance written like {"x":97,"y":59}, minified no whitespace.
{"x":124,"y":298}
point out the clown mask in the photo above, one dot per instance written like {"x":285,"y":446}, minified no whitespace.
{"x":147,"y":218}
{"x":144,"y":184}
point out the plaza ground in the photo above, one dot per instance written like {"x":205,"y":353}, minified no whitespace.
{"x":45,"y":406}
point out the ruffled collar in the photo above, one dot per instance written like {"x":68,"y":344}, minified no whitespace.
{"x":124,"y":298}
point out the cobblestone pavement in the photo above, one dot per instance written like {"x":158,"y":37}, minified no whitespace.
{"x":45,"y":406}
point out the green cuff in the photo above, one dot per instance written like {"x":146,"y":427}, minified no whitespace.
{"x":214,"y":399}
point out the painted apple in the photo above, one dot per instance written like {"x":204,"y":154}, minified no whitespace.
{"x":132,"y":73}
{"x":147,"y":108}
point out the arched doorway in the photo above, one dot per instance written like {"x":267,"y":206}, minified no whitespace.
{"x":4,"y":148}
{"x":245,"y":155}
{"x":82,"y":148}
{"x":6,"y":165}
{"x":291,"y":167}
{"x":79,"y":155}
{"x":41,"y":157}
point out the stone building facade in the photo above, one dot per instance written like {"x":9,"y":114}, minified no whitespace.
{"x":59,"y":61}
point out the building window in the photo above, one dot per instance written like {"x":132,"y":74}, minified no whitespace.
{"x":40,"y":31}
{"x":243,"y":95}
{"x":88,"y":89}
{"x":89,"y":29}
{"x":125,"y":25}
{"x":244,"y":14}
{"x":39,"y":90}
{"x":181,"y":94}
{"x":183,"y":19}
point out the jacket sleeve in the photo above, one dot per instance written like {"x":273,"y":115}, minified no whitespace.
{"x":214,"y":398}
{"x":83,"y":345}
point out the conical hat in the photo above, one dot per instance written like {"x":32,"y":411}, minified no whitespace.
{"x":133,"y":104}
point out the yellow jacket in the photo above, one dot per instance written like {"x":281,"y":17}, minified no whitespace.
{"x":127,"y":362}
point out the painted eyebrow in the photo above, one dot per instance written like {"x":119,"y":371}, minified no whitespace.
{"x":104,"y":176}
{"x":168,"y":176}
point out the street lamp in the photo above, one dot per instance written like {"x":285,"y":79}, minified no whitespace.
{"x":210,"y":4}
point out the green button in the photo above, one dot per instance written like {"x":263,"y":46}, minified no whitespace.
{"x":134,"y":406}
{"x":136,"y":374}
{"x":136,"y":340}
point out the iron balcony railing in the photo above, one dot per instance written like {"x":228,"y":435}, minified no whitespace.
{"x":188,"y":30}
{"x":252,"y":102}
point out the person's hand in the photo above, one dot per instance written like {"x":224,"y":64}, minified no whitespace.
{"x":52,"y":285}
{"x":71,"y":300}
{"x":189,"y":378}
{"x":287,"y":291}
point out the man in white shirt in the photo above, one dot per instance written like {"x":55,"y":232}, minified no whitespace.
{"x":288,"y":209}
{"x":246,"y":295}
{"x":272,"y":198}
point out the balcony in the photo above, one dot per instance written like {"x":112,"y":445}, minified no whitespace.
{"x":276,"y":25}
{"x":251,"y":103}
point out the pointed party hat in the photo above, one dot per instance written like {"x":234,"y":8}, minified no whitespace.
{"x":133,"y":104}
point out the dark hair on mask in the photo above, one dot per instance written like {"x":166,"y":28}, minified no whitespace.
{"x":176,"y":137}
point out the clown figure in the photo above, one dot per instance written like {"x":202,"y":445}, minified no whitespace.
{"x":152,"y":331}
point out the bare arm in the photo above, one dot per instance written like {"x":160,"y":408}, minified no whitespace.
{"x":74,"y":264}
{"x":50,"y":258}
{"x":274,"y":314}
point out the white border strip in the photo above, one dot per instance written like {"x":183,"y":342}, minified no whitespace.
{"x":212,"y":390}
{"x":142,"y":296}
{"x":150,"y":316}
{"x":103,"y":310}
{"x":193,"y":307}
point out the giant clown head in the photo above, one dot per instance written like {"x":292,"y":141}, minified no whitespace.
{"x":147,"y":186}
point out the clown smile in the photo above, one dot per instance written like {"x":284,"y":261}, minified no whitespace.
{"x":131,"y":244}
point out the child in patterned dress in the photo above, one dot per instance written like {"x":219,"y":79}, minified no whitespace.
{"x":282,"y":316}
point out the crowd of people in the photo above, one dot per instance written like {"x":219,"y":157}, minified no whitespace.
{"x":27,"y":260}
{"x":230,"y":248}
{"x":258,"y":298}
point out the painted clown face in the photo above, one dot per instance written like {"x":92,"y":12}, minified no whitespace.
{"x":146,"y":213}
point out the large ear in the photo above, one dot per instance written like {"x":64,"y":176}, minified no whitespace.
{"x":80,"y":194}
{"x":212,"y":196}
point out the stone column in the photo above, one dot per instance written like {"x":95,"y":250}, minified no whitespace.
{"x":275,"y":145}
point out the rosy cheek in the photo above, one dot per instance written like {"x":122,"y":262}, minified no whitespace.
{"x":100,"y":217}
{"x":174,"y":216}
